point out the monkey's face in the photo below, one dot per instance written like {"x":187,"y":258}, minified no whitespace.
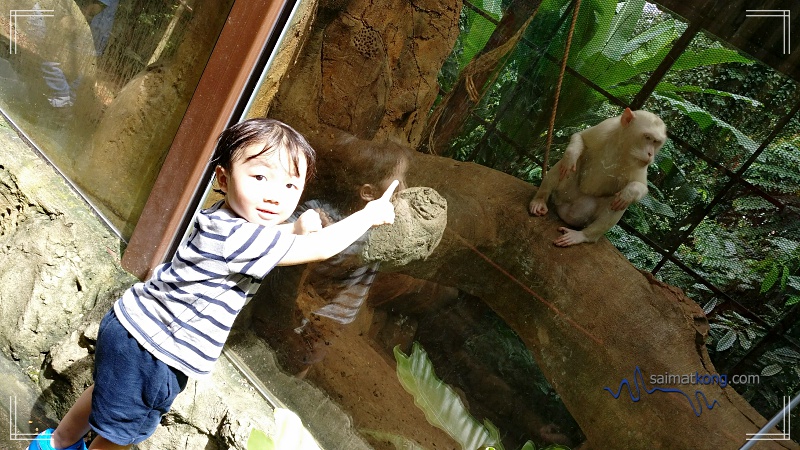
{"x":649,"y":133}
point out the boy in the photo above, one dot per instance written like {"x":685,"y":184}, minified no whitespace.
{"x":174,"y":325}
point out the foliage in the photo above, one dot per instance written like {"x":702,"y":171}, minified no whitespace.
{"x":289,"y":434}
{"x":441,"y":404}
{"x":714,"y":99}
{"x":730,"y":328}
{"x":443,"y":407}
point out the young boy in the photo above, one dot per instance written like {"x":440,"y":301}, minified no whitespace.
{"x":174,"y":325}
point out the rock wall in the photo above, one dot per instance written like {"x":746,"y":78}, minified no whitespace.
{"x":59,"y":273}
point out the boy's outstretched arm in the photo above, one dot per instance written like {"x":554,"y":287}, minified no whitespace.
{"x":337,"y":237}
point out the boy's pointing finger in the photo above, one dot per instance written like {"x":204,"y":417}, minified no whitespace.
{"x":390,"y":190}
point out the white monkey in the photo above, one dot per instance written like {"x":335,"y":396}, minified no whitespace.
{"x":604,"y":169}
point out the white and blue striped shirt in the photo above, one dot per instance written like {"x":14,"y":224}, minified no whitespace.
{"x":184,"y":312}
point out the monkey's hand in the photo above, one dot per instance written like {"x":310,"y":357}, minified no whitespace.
{"x":308,"y":222}
{"x":538,"y":207}
{"x":568,"y":165}
{"x":569,"y":237}
{"x":622,"y":200}
{"x":569,"y":162}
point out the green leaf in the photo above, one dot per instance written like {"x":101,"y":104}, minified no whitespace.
{"x":399,"y":442}
{"x":790,"y":355}
{"x":744,"y":341}
{"x":665,"y":87}
{"x":599,"y":17}
{"x":770,"y":278}
{"x":705,"y":119}
{"x":258,"y":440}
{"x":793,"y":300}
{"x":771,"y":370}
{"x":708,"y":57}
{"x":794,"y":282}
{"x":784,"y":277}
{"x":727,"y":341}
{"x":441,"y":404}
{"x":528,"y":446}
{"x":656,"y":206}
{"x":650,"y":42}
{"x":622,"y":28}
{"x":289,"y":433}
{"x":479,"y":30}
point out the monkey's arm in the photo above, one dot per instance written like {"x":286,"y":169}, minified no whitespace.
{"x":569,"y":162}
{"x":633,"y":192}
{"x":538,"y":206}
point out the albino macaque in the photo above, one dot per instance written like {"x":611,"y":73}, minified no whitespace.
{"x":604,"y":169}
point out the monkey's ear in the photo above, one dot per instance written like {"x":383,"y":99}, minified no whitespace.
{"x":627,"y":117}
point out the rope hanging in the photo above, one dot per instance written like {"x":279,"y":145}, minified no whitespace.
{"x":552,"y":124}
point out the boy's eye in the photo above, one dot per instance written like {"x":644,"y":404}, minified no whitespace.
{"x":259,"y":177}
{"x":291,"y":186}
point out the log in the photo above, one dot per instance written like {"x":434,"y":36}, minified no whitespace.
{"x":589,"y":317}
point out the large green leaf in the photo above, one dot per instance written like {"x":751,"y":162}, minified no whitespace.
{"x":289,"y":434}
{"x":440,"y":403}
{"x":708,"y":57}
{"x":621,"y":30}
{"x":705,"y":119}
{"x":258,"y":440}
{"x":651,"y":41}
{"x":597,"y":17}
{"x":479,"y":30}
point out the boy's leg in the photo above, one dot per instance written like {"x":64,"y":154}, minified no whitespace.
{"x":101,"y":443}
{"x":75,"y":424}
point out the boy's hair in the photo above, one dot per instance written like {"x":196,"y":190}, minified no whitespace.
{"x":272,"y":134}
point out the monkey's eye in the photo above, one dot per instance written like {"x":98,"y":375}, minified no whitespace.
{"x":648,"y":137}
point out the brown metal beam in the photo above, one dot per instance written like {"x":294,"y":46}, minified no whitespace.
{"x":238,"y":49}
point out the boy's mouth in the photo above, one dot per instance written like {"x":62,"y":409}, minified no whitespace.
{"x":266,"y":212}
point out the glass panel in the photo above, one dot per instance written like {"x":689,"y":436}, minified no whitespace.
{"x":378,"y":345}
{"x":100,"y":86}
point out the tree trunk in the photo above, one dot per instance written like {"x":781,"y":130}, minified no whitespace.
{"x":589,"y":317}
{"x":450,"y":116}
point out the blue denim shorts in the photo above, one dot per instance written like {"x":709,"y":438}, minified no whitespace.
{"x":132,"y":389}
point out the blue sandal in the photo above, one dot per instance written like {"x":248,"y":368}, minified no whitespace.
{"x":42,"y":442}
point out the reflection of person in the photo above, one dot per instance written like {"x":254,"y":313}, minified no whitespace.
{"x":101,"y":14}
{"x":360,"y":170}
{"x":343,"y":280}
{"x":64,"y":46}
{"x":174,"y":325}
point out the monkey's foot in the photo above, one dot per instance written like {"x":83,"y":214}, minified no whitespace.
{"x":569,"y":237}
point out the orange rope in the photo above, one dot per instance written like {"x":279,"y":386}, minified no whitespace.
{"x":575,"y":11}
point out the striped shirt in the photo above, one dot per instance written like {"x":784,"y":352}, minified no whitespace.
{"x":343,"y":280}
{"x":184,"y":312}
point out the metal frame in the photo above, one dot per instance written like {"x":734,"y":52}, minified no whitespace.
{"x":249,"y":33}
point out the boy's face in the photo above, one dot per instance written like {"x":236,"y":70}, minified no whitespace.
{"x":261,"y":189}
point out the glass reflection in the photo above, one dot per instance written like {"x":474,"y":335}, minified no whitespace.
{"x":100,"y":86}
{"x":484,"y":310}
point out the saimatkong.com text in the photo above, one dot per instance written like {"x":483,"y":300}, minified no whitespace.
{"x":704,"y":379}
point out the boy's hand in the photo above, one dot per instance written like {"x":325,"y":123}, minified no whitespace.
{"x":382,"y":210}
{"x":308,"y":222}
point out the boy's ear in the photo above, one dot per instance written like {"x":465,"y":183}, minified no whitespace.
{"x":222,"y":178}
{"x":368,"y":193}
